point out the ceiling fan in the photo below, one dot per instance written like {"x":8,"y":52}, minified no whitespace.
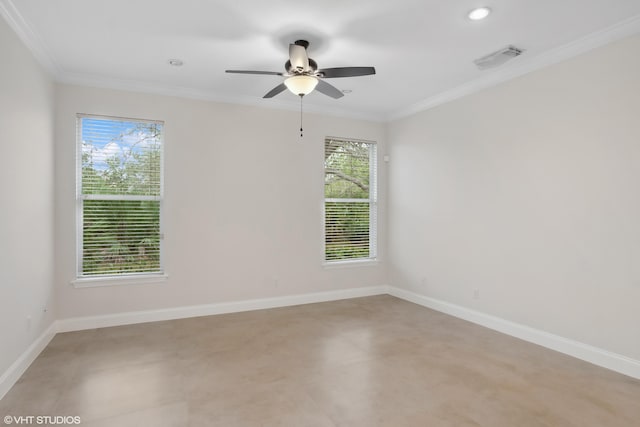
{"x":303,"y":76}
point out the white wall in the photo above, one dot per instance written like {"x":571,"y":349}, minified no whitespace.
{"x":530,"y":193}
{"x":243,"y":203}
{"x":26,"y":192}
{"x":527,"y":192}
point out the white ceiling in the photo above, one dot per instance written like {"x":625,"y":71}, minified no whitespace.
{"x":423,"y":50}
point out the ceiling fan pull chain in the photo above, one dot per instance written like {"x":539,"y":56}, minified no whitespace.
{"x":301,"y":96}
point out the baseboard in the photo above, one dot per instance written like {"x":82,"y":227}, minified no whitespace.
{"x":597,"y":356}
{"x":128,"y":318}
{"x":15,"y":371}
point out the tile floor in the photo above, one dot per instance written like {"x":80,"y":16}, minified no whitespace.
{"x":375,"y":361}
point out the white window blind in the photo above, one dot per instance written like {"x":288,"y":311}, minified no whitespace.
{"x":119,"y":196}
{"x":350,"y":204}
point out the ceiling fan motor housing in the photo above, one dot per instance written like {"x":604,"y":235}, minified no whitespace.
{"x":313,"y":67}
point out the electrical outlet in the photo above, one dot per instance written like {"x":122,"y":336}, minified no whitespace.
{"x":29,"y":322}
{"x":423,"y":281}
{"x":476,"y":294}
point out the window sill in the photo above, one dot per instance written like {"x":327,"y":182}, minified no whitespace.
{"x":369,"y":262}
{"x":94,"y":282}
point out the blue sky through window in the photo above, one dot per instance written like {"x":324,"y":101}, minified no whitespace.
{"x":102,"y":139}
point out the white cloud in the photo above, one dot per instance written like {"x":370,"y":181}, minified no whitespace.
{"x":99,"y":156}
{"x":139,"y":139}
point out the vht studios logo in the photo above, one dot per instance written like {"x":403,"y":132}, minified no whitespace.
{"x":42,"y":419}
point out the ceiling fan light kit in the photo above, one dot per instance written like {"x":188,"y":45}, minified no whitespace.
{"x":301,"y":84}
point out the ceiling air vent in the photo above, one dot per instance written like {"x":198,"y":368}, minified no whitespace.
{"x":498,"y":58}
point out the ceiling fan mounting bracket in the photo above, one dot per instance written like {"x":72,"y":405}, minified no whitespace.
{"x":302,"y":43}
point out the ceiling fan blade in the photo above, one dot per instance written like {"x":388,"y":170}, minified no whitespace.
{"x":329,"y":90}
{"x":276,"y":90}
{"x":270,"y":73}
{"x":298,"y":57}
{"x":329,"y":73}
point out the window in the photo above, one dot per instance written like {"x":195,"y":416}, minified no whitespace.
{"x":350,"y":204}
{"x":119,"y":196}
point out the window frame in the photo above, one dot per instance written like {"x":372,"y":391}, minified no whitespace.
{"x":372,"y":259}
{"x":95,"y":280}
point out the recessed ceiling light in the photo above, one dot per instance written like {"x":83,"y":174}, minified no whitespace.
{"x":479,"y":13}
{"x":347,"y":91}
{"x":176,"y":62}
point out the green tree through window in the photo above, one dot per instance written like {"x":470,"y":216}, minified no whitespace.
{"x":350,"y":199}
{"x":119,"y":196}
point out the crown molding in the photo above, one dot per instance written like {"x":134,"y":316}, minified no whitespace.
{"x":204,"y":95}
{"x":28,"y":36}
{"x":518,"y":68}
{"x":607,"y":35}
{"x":38,"y":48}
